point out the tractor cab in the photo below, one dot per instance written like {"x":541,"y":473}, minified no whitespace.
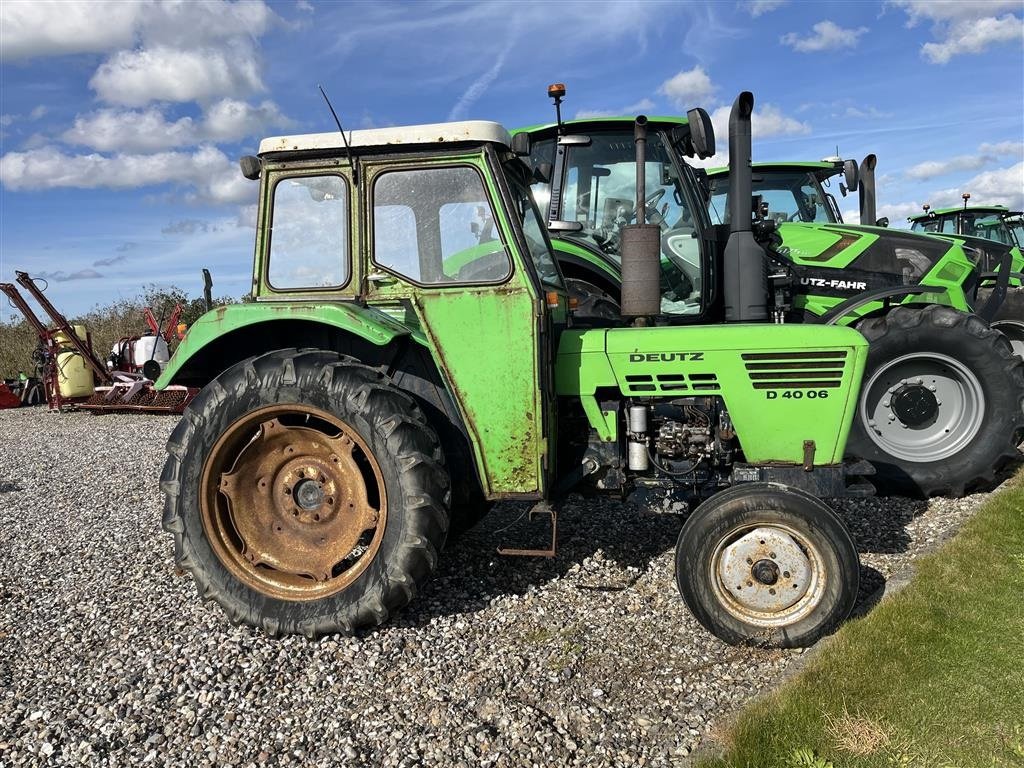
{"x":791,"y":192}
{"x":992,"y":222}
{"x":589,"y":194}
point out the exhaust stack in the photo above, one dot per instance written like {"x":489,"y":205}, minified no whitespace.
{"x":868,"y":211}
{"x":641,"y":244}
{"x":744,"y":269}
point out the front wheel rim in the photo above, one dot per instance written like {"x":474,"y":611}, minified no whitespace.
{"x":923,"y":407}
{"x":768,"y":574}
{"x":293,"y":502}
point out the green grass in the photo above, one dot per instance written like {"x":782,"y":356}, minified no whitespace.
{"x":934,"y":677}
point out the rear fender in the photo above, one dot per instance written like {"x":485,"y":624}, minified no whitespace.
{"x":229,"y":334}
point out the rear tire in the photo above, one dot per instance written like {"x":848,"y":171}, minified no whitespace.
{"x":306,"y":494}
{"x":941,"y":407}
{"x":767,"y":565}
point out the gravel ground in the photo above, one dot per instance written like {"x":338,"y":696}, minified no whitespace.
{"x":108,"y":658}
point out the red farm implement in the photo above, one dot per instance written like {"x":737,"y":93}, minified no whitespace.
{"x":74,"y":377}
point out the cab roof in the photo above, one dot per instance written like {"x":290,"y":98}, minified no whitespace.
{"x":957,"y":209}
{"x":822,"y":169}
{"x":475,"y":131}
{"x":652,"y":122}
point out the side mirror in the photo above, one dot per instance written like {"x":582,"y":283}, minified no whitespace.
{"x":882,"y":222}
{"x":521,"y":144}
{"x":852,"y":175}
{"x":702,"y":134}
{"x":251,"y":167}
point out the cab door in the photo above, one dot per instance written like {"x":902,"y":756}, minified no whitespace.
{"x":441,"y":248}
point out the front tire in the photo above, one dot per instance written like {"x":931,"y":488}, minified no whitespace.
{"x":767,"y":565}
{"x":941,"y":407}
{"x":306,"y":494}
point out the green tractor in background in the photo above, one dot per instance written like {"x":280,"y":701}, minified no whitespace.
{"x":798,"y":192}
{"x":993,"y":230}
{"x":940,"y":411}
{"x":410,"y":356}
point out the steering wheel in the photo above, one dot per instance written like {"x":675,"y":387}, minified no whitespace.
{"x":649,"y":210}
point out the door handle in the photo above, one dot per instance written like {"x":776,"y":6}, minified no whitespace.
{"x":381,"y":278}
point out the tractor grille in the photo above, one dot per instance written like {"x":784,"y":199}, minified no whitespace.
{"x":795,"y":370}
{"x":669,"y":383}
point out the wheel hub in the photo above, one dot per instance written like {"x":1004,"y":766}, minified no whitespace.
{"x":922,"y":406}
{"x":914,"y":405}
{"x":297,"y":500}
{"x":765,"y":571}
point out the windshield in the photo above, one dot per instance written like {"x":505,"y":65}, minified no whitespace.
{"x":790,"y":195}
{"x":987,"y":225}
{"x":599,"y":192}
{"x":1016,"y":227}
{"x":533,"y":225}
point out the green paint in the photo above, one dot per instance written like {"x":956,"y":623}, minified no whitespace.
{"x":772,"y":421}
{"x":370,"y":324}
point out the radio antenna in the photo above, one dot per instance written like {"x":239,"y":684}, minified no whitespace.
{"x":344,"y":138}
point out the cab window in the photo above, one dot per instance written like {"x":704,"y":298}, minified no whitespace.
{"x":600,"y":193}
{"x":436,"y":226}
{"x":309,"y":233}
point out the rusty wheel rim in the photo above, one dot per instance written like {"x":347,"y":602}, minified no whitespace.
{"x":293,"y":502}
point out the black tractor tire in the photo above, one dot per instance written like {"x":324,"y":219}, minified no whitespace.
{"x":389,"y":423}
{"x":593,"y":302}
{"x":752,"y":526}
{"x":981,"y":429}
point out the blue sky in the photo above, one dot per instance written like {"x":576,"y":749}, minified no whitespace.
{"x":121,"y":122}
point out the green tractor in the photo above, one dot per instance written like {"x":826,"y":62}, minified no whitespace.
{"x":940,"y":411}
{"x":994,"y":231}
{"x":799,"y":192}
{"x":411,"y":356}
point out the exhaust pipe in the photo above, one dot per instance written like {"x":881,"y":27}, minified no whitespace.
{"x":868,"y":212}
{"x":744,"y":269}
{"x":641,"y":244}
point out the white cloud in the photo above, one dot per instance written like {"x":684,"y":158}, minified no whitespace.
{"x":230,"y":119}
{"x":760,"y":7}
{"x":975,"y":37}
{"x":207,"y":172}
{"x":110,"y":130}
{"x":688,"y":88}
{"x":53,"y":28}
{"x":1004,"y":186}
{"x":827,"y":36}
{"x":641,"y":107}
{"x":765,"y":122}
{"x":933,"y":168}
{"x":952,"y":10}
{"x":1003,"y":148}
{"x":132,"y":131}
{"x":196,"y":24}
{"x":56,"y":27}
{"x":37,"y":113}
{"x":964,"y":27}
{"x":135,"y":78}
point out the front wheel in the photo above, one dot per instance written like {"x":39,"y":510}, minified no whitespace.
{"x":306,"y":494}
{"x":767,"y":565}
{"x":941,"y":407}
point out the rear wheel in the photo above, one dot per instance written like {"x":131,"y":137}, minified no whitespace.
{"x":940,"y":407}
{"x":767,"y":565}
{"x":305,"y":494}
